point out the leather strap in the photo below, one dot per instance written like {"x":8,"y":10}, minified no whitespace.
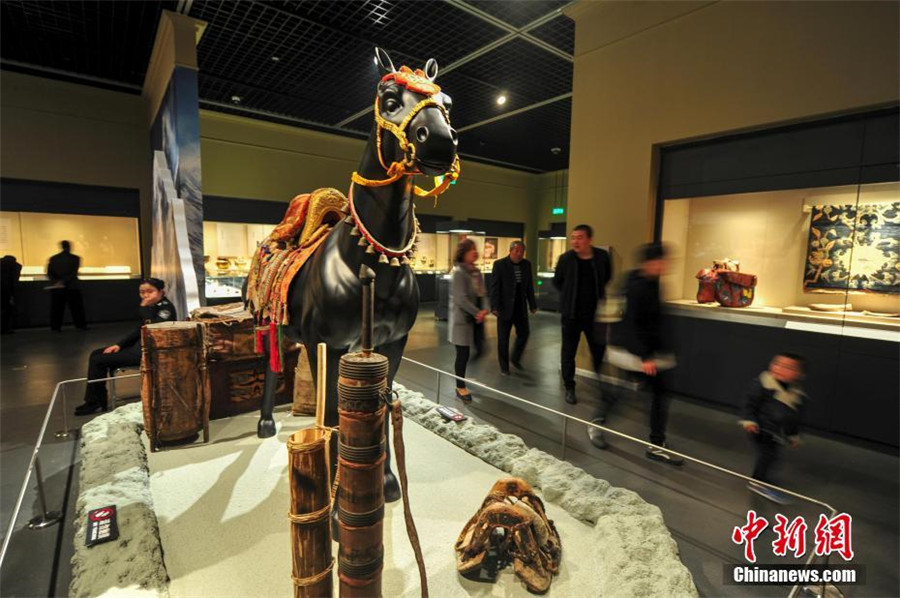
{"x":400,"y":454}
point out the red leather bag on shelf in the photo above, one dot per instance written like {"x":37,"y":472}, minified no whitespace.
{"x":734,"y":289}
{"x":706,"y":290}
{"x":707,"y":277}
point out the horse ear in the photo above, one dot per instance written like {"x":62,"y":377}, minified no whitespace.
{"x":431,"y":69}
{"x":384,"y":62}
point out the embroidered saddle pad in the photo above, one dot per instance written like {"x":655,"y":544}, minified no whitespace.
{"x":306,"y":224}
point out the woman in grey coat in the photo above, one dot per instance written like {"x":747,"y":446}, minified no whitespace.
{"x":466,"y":311}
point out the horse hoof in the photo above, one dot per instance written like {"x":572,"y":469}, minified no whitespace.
{"x":265,"y":428}
{"x":391,"y":487}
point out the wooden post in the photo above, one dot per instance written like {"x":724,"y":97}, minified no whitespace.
{"x":310,"y":514}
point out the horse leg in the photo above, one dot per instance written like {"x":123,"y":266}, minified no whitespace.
{"x":394,"y":353}
{"x":266,"y":426}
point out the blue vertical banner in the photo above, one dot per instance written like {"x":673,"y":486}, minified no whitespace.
{"x":176,"y":132}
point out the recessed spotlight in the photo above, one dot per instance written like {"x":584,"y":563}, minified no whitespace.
{"x":555,"y":150}
{"x":501,"y":99}
{"x":235,"y":99}
{"x":276,"y":59}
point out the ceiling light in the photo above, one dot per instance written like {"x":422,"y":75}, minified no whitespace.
{"x":275,"y":59}
{"x":461,"y":230}
{"x":555,"y":151}
{"x":236,"y":99}
{"x":501,"y":99}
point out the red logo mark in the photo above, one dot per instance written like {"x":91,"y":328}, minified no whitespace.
{"x":833,"y":535}
{"x":747,"y":534}
{"x":790,"y":536}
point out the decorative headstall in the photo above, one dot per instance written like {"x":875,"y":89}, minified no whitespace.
{"x":417,"y":82}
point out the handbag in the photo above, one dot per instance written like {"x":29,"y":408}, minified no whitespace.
{"x":734,"y":289}
{"x":706,"y":289}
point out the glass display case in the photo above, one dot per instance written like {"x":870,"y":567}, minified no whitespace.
{"x":549,"y":250}
{"x":825,"y":255}
{"x":228,"y":249}
{"x":490,"y":248}
{"x":109,"y":246}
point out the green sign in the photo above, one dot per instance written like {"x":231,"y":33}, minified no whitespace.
{"x":558,"y":211}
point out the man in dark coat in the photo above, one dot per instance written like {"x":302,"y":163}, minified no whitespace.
{"x":638,"y":344}
{"x":10,"y":270}
{"x":512,"y":296}
{"x":581,"y":276}
{"x":62,"y":270}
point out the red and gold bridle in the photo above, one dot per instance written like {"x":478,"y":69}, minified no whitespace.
{"x":415,"y":81}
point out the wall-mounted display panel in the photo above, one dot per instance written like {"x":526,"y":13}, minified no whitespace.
{"x":826,"y":253}
{"x":109,"y":246}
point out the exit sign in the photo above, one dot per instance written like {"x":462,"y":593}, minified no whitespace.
{"x":558,"y":211}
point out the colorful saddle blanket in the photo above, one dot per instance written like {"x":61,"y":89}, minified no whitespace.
{"x":306,"y":224}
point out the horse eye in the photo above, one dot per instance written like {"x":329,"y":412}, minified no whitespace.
{"x":391,"y":105}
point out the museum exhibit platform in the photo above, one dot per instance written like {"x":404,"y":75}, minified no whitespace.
{"x":212,"y":519}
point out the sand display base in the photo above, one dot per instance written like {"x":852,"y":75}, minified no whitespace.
{"x":222,"y":514}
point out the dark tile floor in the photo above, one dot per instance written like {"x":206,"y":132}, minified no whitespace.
{"x":700,"y":505}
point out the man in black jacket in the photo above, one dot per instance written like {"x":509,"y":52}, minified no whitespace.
{"x":581,"y":276}
{"x":512,"y":296}
{"x":62,"y":270}
{"x":638,"y":344}
{"x":103,"y":362}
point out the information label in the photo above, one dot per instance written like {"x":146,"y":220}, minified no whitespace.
{"x":102,"y":526}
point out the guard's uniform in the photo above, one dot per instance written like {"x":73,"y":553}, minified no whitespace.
{"x":102,"y":365}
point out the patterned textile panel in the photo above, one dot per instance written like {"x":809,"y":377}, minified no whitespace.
{"x":854,"y":248}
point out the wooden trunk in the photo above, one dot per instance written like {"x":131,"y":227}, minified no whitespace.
{"x":174,"y":382}
{"x":310,"y":513}
{"x":237,"y":372}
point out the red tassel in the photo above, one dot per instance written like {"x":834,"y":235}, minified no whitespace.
{"x":260,"y":332}
{"x":274,"y":349}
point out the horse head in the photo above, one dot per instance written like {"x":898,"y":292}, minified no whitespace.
{"x":412,"y":117}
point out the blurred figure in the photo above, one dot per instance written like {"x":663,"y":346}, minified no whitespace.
{"x":512,"y":296}
{"x":638,"y":345}
{"x":772,"y":409}
{"x":62,"y":270}
{"x":581,"y":276}
{"x":10,"y":270}
{"x":127,"y":352}
{"x":466,"y":320}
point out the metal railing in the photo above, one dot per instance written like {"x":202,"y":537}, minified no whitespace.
{"x":46,"y":518}
{"x":567,"y":418}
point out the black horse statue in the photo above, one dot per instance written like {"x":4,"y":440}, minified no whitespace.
{"x":412,"y":135}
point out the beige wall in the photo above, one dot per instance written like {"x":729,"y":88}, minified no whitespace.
{"x":651,"y":73}
{"x":68,"y":133}
{"x":655,"y":73}
{"x":252,"y":159}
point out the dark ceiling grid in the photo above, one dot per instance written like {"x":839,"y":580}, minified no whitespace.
{"x":422,"y":28}
{"x":560,"y":32}
{"x":526,"y":71}
{"x":517,"y":13}
{"x":526,"y":139}
{"x":104,"y":40}
{"x":315,"y":61}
